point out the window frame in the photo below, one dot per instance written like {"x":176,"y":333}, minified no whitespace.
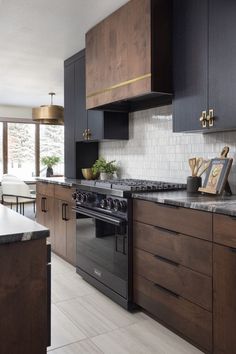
{"x":5,"y":122}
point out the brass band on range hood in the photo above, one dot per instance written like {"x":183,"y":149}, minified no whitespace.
{"x":51,"y":114}
{"x":121,"y":84}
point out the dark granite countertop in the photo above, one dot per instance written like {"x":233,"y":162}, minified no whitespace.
{"x":63,"y":181}
{"x":15,"y":227}
{"x":215,"y":204}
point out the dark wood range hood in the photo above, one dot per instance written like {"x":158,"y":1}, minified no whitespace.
{"x":128,"y":58}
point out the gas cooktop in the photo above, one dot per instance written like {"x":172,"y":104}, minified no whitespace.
{"x":127,"y":186}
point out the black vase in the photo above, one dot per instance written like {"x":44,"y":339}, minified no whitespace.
{"x":49,"y":172}
{"x":193,"y":183}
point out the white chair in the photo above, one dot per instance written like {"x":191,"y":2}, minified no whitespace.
{"x":15,"y":191}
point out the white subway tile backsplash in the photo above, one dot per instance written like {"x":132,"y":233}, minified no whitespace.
{"x":155,"y":152}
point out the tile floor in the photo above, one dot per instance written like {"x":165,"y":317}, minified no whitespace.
{"x":86,"y":321}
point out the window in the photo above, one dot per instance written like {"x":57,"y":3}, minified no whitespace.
{"x":21,"y":149}
{"x":1,"y":148}
{"x":52,"y":144}
{"x":24,"y":143}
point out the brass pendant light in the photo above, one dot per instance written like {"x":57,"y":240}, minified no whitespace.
{"x":51,"y":114}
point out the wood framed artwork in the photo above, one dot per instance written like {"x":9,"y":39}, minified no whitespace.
{"x":216,"y":180}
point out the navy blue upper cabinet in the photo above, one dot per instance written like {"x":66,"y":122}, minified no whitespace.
{"x":88,"y":125}
{"x":204,"y":65}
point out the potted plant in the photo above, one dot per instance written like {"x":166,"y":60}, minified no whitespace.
{"x":50,"y":161}
{"x":103,"y":168}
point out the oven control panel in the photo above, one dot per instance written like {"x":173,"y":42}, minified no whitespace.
{"x":101,"y":201}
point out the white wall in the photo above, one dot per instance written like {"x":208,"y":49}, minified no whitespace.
{"x":155,"y":152}
{"x":15,"y":112}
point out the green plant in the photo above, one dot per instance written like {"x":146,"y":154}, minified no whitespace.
{"x":101,"y":165}
{"x":50,"y":161}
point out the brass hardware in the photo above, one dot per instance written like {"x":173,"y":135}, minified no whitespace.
{"x":203,"y":119}
{"x":210,"y":118}
{"x":121,"y":84}
{"x":87,"y":134}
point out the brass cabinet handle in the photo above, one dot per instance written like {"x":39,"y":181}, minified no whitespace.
{"x":210,"y":118}
{"x":89,"y":134}
{"x":203,"y":119}
{"x":85,"y":134}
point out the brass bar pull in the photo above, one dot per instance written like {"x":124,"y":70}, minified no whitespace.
{"x":203,"y":119}
{"x":89,"y":134}
{"x":85,"y":134}
{"x":210,"y":118}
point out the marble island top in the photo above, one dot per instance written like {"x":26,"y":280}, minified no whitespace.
{"x":215,"y":204}
{"x":62,"y":181}
{"x":15,"y":227}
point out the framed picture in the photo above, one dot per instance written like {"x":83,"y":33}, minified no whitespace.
{"x":217,"y":176}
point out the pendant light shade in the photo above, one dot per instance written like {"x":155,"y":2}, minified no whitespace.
{"x":51,"y":114}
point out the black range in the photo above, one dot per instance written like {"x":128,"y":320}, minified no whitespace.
{"x":104,"y":233}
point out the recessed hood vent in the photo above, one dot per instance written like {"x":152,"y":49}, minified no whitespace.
{"x":128,"y":58}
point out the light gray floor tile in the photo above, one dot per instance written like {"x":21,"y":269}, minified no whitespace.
{"x":83,"y":347}
{"x":63,"y":330}
{"x":143,"y":337}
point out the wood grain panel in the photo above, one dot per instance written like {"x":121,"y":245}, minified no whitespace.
{"x":45,"y":188}
{"x":23,"y":297}
{"x":187,"y":251}
{"x":224,"y":230}
{"x":187,"y":221}
{"x":71,"y":235}
{"x":119,"y":49}
{"x":191,"y":285}
{"x":224,"y":285}
{"x":64,"y":193}
{"x":188,"y":319}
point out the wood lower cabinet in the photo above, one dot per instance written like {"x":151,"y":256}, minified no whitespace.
{"x":172,"y":264}
{"x":55,"y":212}
{"x":224,"y":285}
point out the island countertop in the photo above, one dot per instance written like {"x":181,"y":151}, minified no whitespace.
{"x":62,"y":181}
{"x":15,"y":227}
{"x":216,"y":204}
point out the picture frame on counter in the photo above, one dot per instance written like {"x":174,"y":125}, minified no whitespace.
{"x":216,"y":181}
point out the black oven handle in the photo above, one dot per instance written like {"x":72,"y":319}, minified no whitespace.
{"x":99,"y":216}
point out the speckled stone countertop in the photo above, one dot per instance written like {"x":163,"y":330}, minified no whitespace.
{"x":15,"y":227}
{"x":63,"y":181}
{"x":215,"y":204}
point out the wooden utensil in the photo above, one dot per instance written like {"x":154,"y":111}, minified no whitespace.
{"x":205,"y":165}
{"x":224,"y":152}
{"x":192,"y":164}
{"x":199,"y":163}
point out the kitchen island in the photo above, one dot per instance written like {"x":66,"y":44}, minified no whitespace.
{"x":24,"y":300}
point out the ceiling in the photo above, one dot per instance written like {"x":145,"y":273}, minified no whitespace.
{"x":36,"y":36}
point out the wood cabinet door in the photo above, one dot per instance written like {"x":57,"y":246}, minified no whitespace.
{"x":190,"y":58}
{"x":69,"y":120}
{"x":60,"y":227}
{"x":49,"y":218}
{"x":70,"y":234}
{"x":222,"y":59}
{"x":224,"y":301}
{"x":39,"y":209}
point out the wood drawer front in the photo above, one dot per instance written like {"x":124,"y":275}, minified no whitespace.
{"x":64,"y":193}
{"x":190,"y":320}
{"x":188,"y":251}
{"x":187,"y":221}
{"x":45,"y":188}
{"x":182,"y":281}
{"x":224,"y":230}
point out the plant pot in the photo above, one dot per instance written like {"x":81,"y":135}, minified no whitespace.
{"x":104,"y":176}
{"x":49,"y":172}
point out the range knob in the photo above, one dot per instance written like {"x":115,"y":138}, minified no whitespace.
{"x":123,"y":206}
{"x":116,"y":205}
{"x":110,"y":203}
{"x":103,"y":203}
{"x":120,"y":205}
{"x":74,"y":196}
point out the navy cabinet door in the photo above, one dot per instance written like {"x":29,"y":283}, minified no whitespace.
{"x":222,"y":63}
{"x":69,"y":121}
{"x":79,"y":99}
{"x":190,"y":59}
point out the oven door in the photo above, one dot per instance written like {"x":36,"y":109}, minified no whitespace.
{"x":102,"y":248}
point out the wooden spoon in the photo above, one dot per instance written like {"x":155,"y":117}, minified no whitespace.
{"x":199,"y":164}
{"x":192,"y":164}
